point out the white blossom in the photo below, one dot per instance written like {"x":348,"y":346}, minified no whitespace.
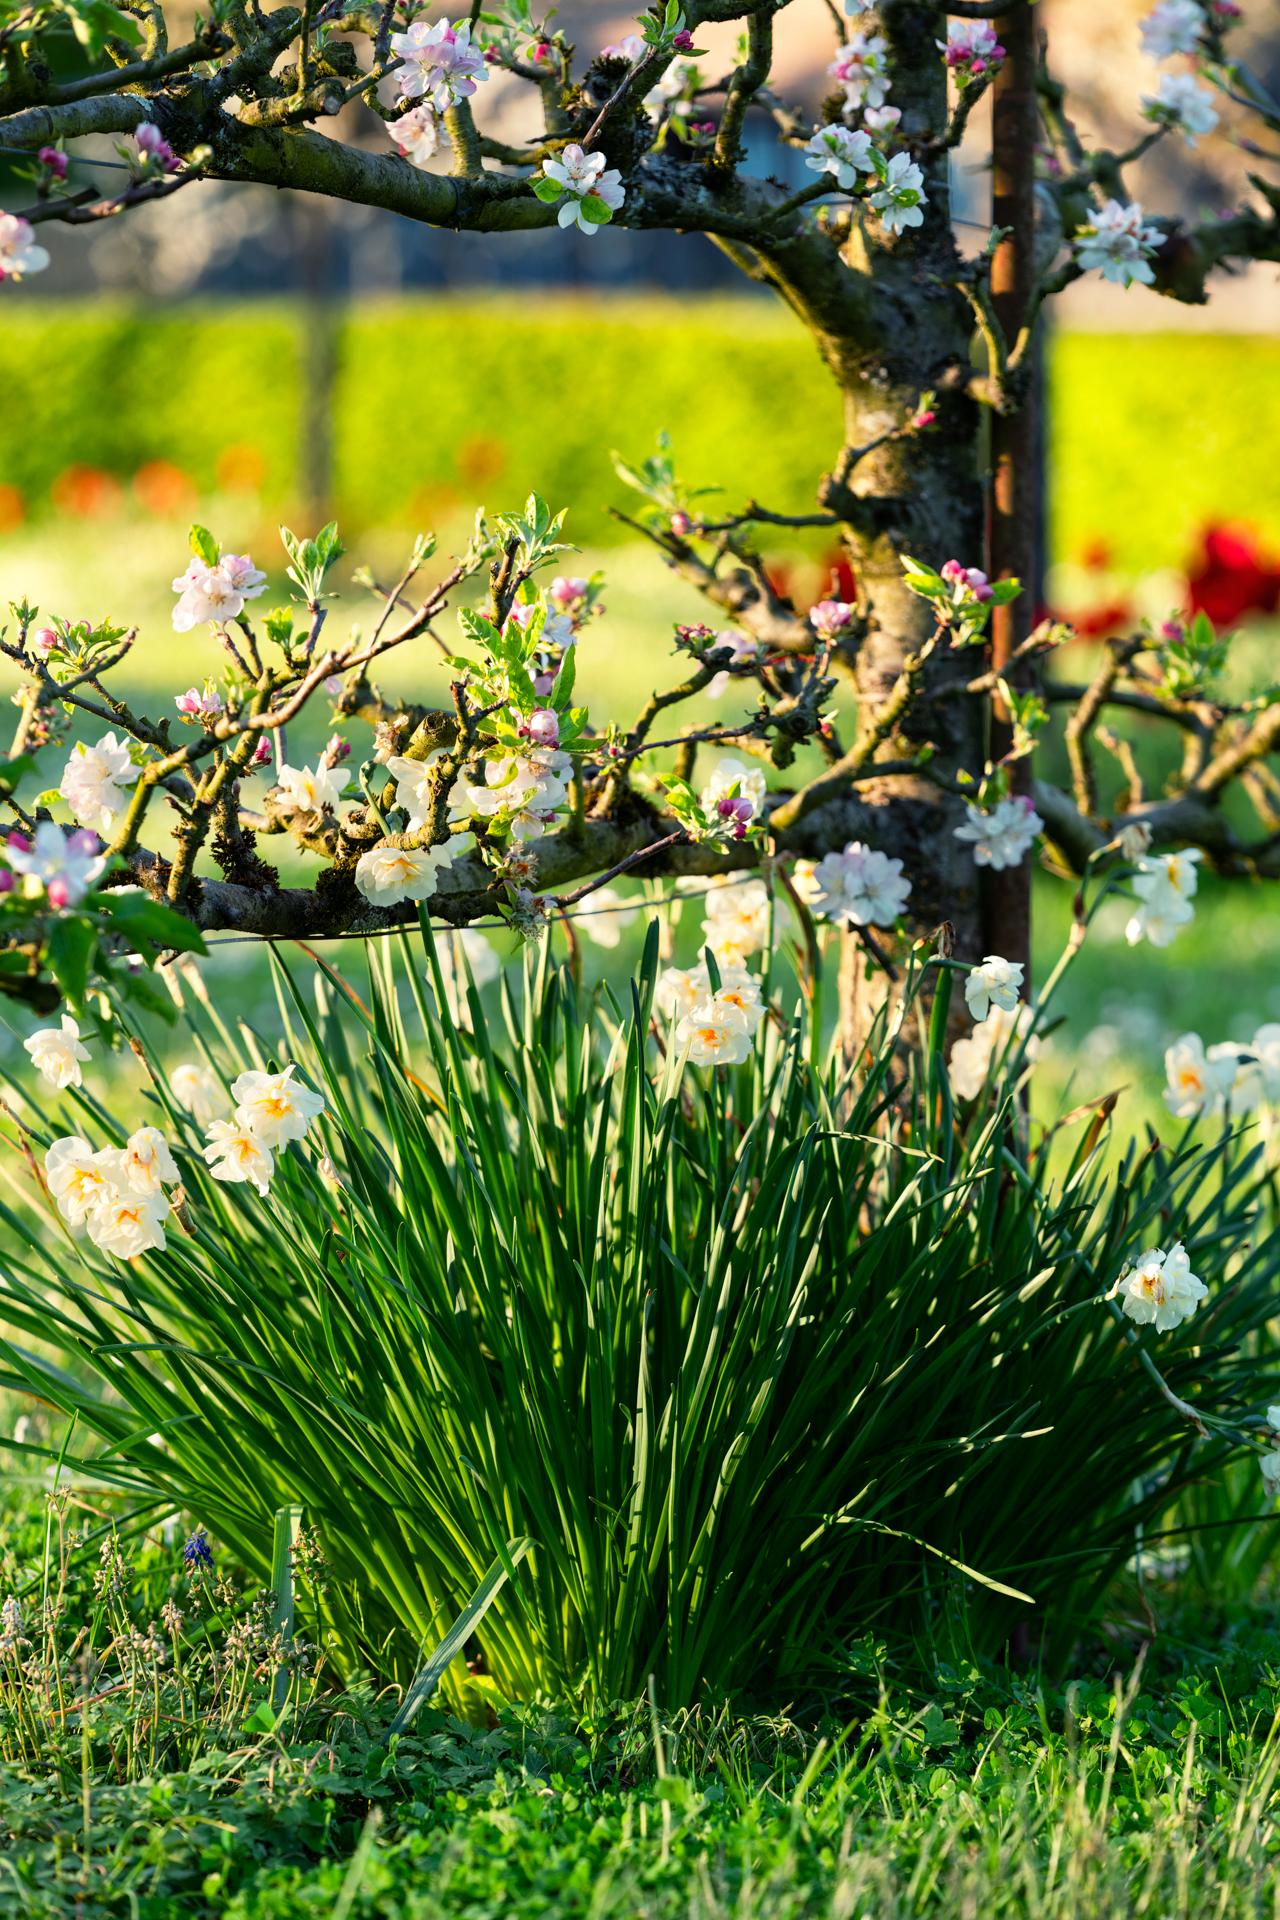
{"x":315,"y":789}
{"x":19,"y":253}
{"x":606,"y":917}
{"x":79,"y":1178}
{"x":842,"y":154}
{"x":900,"y":199}
{"x":679,"y":990}
{"x":93,"y":781}
{"x":861,"y":885}
{"x":236,"y":1154}
{"x":440,"y":63}
{"x":57,"y":1053}
{"x":216,"y":593}
{"x":1174,"y":26}
{"x":198,"y":1091}
{"x":1119,"y":245}
{"x":144,"y":1163}
{"x":1198,"y":1082}
{"x":273,"y":1107}
{"x":388,"y":875}
{"x":737,"y":920}
{"x":1165,"y":885}
{"x":881,"y":119}
{"x":1180,"y":103}
{"x":413,"y":786}
{"x":61,"y":866}
{"x":417,"y":134}
{"x":995,"y":983}
{"x":127,"y":1224}
{"x":861,"y":67}
{"x":532,"y":787}
{"x":582,"y":176}
{"x":716,"y":1034}
{"x":734,"y":780}
{"x":1002,"y":836}
{"x":1160,"y":1290}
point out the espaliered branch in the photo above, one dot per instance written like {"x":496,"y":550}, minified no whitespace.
{"x":899,"y":725}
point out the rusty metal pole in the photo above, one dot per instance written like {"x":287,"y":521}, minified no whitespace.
{"x":1014,"y":515}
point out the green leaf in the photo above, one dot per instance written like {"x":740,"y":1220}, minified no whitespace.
{"x":149,"y":926}
{"x":72,"y":945}
{"x":595,"y":210}
{"x":261,"y":1720}
{"x":204,"y":546}
{"x":427,"y":1679}
{"x":547,"y":190}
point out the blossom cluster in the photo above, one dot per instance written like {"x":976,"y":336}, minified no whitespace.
{"x":859,"y":887}
{"x":972,"y":50}
{"x":1224,"y":1078}
{"x":1003,"y":835}
{"x":1119,"y":244}
{"x":52,"y":865}
{"x":215,"y":591}
{"x":120,"y":1196}
{"x":588,"y":189}
{"x":898,"y":197}
{"x":1165,"y":886}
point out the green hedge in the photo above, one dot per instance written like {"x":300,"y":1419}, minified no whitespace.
{"x":450,"y":401}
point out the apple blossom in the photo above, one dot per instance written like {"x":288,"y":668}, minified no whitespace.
{"x":861,"y":886}
{"x":417,"y":134}
{"x":995,"y":983}
{"x":861,"y":68}
{"x":975,"y":1052}
{"x":830,"y":618}
{"x":198,"y":1091}
{"x":568,"y":592}
{"x":715,"y":1034}
{"x":966,"y":583}
{"x":388,"y":875}
{"x":215,"y":594}
{"x":236,"y":1154}
{"x":881,"y":119}
{"x":200,"y":703}
{"x":145,"y":1163}
{"x":439,"y":63}
{"x":93,"y":781}
{"x":1180,"y":103}
{"x":1003,"y":835}
{"x":735,"y":791}
{"x":582,"y":178}
{"x":531,"y":787}
{"x":900,"y":199}
{"x":543,"y":727}
{"x":557,"y":629}
{"x":273,"y":1107}
{"x":19,"y":253}
{"x":128,"y":1224}
{"x":606,"y":917}
{"x":315,"y":789}
{"x":57,"y":1053}
{"x":54,"y":161}
{"x":842,"y":154}
{"x":413,"y":785}
{"x":629,"y":48}
{"x":971,"y":49}
{"x":148,"y":152}
{"x":78,"y":1177}
{"x":61,"y":866}
{"x":1118,"y":244}
{"x":1174,"y":26}
{"x":737,"y":920}
{"x":1160,"y":1289}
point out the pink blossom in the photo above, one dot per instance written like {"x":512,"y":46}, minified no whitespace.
{"x":261,"y":754}
{"x":336,"y":749}
{"x":925,"y":418}
{"x":53,"y":161}
{"x":969,"y":582}
{"x":567,"y":590}
{"x":683,"y":41}
{"x":830,"y":617}
{"x":543,"y":727}
{"x":740,"y":810}
{"x":44,"y":641}
{"x":199,"y":703}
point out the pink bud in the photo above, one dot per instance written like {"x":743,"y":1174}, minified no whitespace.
{"x":979,"y":66}
{"x":830,"y":617}
{"x":336,"y":749}
{"x":492,"y":54}
{"x":45,"y":641}
{"x":1171,"y":629}
{"x":542,"y":50}
{"x":924,"y":419}
{"x":543,"y":726}
{"x":19,"y":842}
{"x":261,"y":754}
{"x":681,"y":525}
{"x":683,"y":41}
{"x":53,"y":161}
{"x":7,"y":881}
{"x":59,"y":893}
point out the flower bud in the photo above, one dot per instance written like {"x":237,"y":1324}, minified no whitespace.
{"x":543,"y":726}
{"x":53,"y":162}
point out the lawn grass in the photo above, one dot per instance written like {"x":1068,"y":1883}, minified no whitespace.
{"x":1145,"y":1785}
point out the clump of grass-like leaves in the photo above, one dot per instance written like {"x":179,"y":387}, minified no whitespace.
{"x":757,"y":1360}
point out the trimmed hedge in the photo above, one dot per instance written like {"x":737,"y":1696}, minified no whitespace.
{"x":447,"y":402}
